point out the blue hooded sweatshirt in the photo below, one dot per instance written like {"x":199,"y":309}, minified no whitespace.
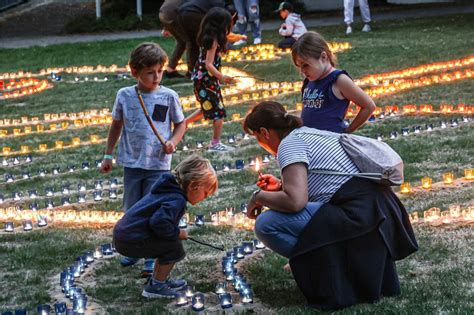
{"x":156,"y":215}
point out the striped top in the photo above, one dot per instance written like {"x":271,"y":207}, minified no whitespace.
{"x":305,"y":145}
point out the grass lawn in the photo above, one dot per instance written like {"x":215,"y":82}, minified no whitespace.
{"x":437,"y":279}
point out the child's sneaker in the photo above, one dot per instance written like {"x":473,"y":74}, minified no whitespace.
{"x":257,"y":41}
{"x":176,"y":284}
{"x":366,"y":28}
{"x":158,"y":290}
{"x":219,"y":147}
{"x":128,"y":261}
{"x":349,"y":30}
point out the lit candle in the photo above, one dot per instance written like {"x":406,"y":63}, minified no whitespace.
{"x":426,"y":182}
{"x":6,"y":150}
{"x":9,"y":226}
{"x":198,"y":302}
{"x":59,"y":144}
{"x":469,"y":173}
{"x":432,"y":214}
{"x":44,"y":309}
{"x":199,"y":220}
{"x":181,"y":299}
{"x":405,"y":188}
{"x":455,"y":211}
{"x":225,"y":300}
{"x":42,"y":147}
{"x":235,"y":116}
{"x":76,"y":141}
{"x":448,"y":178}
{"x":189,"y":291}
{"x":27,"y":225}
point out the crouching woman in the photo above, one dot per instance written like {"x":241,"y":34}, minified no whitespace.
{"x":342,"y":234}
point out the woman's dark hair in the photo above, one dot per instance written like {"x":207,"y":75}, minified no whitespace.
{"x":215,"y":25}
{"x":271,"y":115}
{"x":233,"y":13}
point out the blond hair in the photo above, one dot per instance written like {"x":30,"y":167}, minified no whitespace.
{"x":196,"y":169}
{"x":311,"y":45}
{"x":147,"y":55}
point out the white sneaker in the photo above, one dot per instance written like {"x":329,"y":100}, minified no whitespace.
{"x":219,"y":147}
{"x":240,"y":42}
{"x":349,"y":30}
{"x":366,"y":28}
{"x":257,"y":41}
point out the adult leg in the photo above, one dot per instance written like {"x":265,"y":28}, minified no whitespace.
{"x":240,"y":6}
{"x":348,"y":11}
{"x":254,"y":20}
{"x":178,"y":34}
{"x":364,"y":11}
{"x":280,"y":231}
{"x":190,"y":22}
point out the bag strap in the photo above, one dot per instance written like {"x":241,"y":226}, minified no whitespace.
{"x":147,"y":116}
{"x":375,"y":176}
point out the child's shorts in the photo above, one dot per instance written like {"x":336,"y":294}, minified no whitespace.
{"x":166,"y":251}
{"x":210,"y":98}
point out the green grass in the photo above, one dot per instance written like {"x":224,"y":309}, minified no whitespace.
{"x":437,"y":279}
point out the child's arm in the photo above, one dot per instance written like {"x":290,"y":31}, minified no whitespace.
{"x":210,"y":54}
{"x":194,"y":117}
{"x":114,"y":134}
{"x":355,"y":94}
{"x":233,"y":37}
{"x":286,"y":28}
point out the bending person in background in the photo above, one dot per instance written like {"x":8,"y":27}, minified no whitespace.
{"x":169,"y":19}
{"x":351,"y":228}
{"x":248,"y":13}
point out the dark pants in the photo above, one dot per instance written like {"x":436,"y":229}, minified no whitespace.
{"x":286,"y":42}
{"x":165,"y":251}
{"x":190,"y":23}
{"x":180,"y":36}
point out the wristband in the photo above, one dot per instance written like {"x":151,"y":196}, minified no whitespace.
{"x":108,"y":157}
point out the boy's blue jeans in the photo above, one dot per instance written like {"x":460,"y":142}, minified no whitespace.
{"x":279,"y":231}
{"x":248,"y":15}
{"x":137,"y":182}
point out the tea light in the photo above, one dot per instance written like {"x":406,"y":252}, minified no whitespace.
{"x":221,"y":288}
{"x":85,"y":165}
{"x":181,"y":299}
{"x":258,"y":244}
{"x":426,"y":182}
{"x":393,"y":134}
{"x":239,"y":252}
{"x":98,"y":185}
{"x":42,"y":172}
{"x":183,"y":222}
{"x":239,"y":164}
{"x":42,"y":147}
{"x":20,"y":311}
{"x":76,"y":141}
{"x":199,"y":144}
{"x":230,"y":274}
{"x":24,"y":149}
{"x":197,"y":302}
{"x":94,"y":138}
{"x":42,"y":221}
{"x":465,"y":119}
{"x":56,"y":170}
{"x":432,"y":214}
{"x":16,"y":195}
{"x":113,"y":183}
{"x":39,"y":128}
{"x":44,"y":309}
{"x":199,"y":220}
{"x":454,"y":122}
{"x":443,"y":124}
{"x":380,"y":137}
{"x":9,"y":178}
{"x":81,"y":198}
{"x":246,"y":296}
{"x":4,"y":162}
{"x":469,"y":173}
{"x":26,"y":175}
{"x":455,"y":211}
{"x":65,"y":201}
{"x":189,"y":291}
{"x":27,"y":225}
{"x":49,"y":204}
{"x":59,"y":144}
{"x":33,"y":206}
{"x":231,"y":139}
{"x":266,"y":158}
{"x":60,"y":308}
{"x":33,"y":194}
{"x":97,"y":195}
{"x":417,"y":129}
{"x":81,"y":187}
{"x":16,"y":161}
{"x":414,"y":217}
{"x":9,"y":226}
{"x":226,"y":167}
{"x":448,"y":178}
{"x":225,"y":300}
{"x":65,"y":190}
{"x":79,"y":304}
{"x":405,"y":131}
{"x":97,"y":253}
{"x":6,"y":150}
{"x":247,"y":247}
{"x":49,"y":191}
{"x":71,"y":168}
{"x":1,"y":199}
{"x":113,"y":194}
{"x":238,"y":282}
{"x":28,"y":158}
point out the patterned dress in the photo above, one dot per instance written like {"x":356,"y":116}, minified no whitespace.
{"x":207,"y":88}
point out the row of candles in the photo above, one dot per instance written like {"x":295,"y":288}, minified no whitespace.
{"x":76,"y":297}
{"x":24,"y":87}
{"x":53,"y":127}
{"x":42,"y":172}
{"x":400,"y":85}
{"x":65,"y":191}
{"x":375,"y":79}
{"x":455,"y":214}
{"x":58,"y":145}
{"x":231,"y":275}
{"x":406,"y":131}
{"x":413,"y":108}
{"x":56,"y":117}
{"x":427,"y":182}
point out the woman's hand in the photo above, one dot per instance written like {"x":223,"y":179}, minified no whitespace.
{"x":183,"y":235}
{"x":269,"y":182}
{"x":253,"y":207}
